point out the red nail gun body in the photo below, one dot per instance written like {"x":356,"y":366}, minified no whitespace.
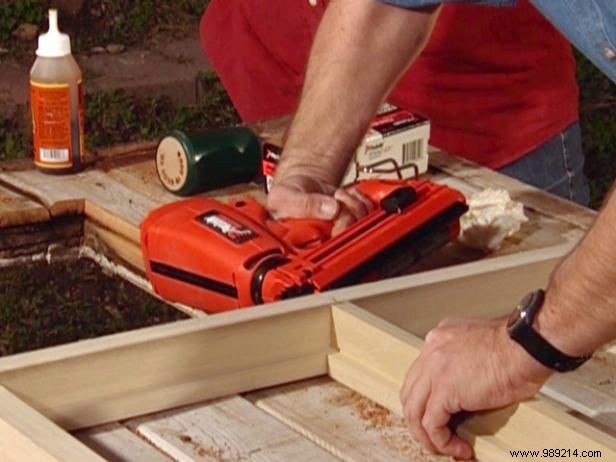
{"x":218,"y":257}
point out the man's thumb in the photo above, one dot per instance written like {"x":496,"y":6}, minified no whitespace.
{"x":323,"y":207}
{"x":294,"y":204}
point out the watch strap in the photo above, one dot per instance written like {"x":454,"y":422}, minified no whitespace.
{"x":540,"y":349}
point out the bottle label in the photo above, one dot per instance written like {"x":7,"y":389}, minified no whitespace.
{"x":51,"y":125}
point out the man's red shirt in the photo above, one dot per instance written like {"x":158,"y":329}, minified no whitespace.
{"x":496,"y":83}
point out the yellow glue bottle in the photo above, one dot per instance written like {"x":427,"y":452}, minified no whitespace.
{"x":56,"y":97}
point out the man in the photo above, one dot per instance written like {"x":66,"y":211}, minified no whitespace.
{"x":502,"y":93}
{"x":464,"y":365}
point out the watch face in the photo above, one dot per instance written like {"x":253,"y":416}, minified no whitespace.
{"x":518,"y":314}
{"x":514,"y":317}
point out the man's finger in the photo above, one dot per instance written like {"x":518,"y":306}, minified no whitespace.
{"x":359,"y":196}
{"x":355,"y":205}
{"x":415,"y":408}
{"x":435,"y":423}
{"x":289,"y":203}
{"x":344,"y":220}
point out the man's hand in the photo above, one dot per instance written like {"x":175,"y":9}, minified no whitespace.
{"x":465,"y":366}
{"x":306,"y":196}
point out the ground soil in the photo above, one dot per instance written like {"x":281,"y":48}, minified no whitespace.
{"x":45,"y":305}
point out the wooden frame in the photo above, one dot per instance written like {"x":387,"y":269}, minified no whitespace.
{"x":363,"y":337}
{"x":47,"y":393}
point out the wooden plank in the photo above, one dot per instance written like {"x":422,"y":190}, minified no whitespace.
{"x":116,"y":443}
{"x":139,"y":372}
{"x":226,"y":429}
{"x":111,"y":203}
{"x":142,"y":177}
{"x":124,"y":375}
{"x":121,"y":226}
{"x":28,"y":436}
{"x":114,"y":245}
{"x":589,"y":390}
{"x":16,"y":210}
{"x":532,"y":197}
{"x":56,"y":193}
{"x":484,"y":289}
{"x":161,"y":367}
{"x":116,"y":206}
{"x":374,"y":357}
{"x":345,"y":423}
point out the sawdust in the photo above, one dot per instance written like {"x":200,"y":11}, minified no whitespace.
{"x":213,"y":453}
{"x":374,"y":414}
{"x":377,"y":415}
{"x":210,"y":453}
{"x":392,"y":429}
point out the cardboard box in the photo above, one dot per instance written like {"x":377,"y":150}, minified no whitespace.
{"x":397,"y":140}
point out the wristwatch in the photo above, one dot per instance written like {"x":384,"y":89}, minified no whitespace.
{"x":520,"y":328}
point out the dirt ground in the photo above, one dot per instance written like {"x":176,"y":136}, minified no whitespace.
{"x":45,"y":305}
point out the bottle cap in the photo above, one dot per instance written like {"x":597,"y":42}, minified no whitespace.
{"x":53,"y":44}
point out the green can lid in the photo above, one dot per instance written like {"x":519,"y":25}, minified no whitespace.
{"x":173,"y":159}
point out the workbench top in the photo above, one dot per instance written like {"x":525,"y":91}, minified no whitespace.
{"x":316,"y":420}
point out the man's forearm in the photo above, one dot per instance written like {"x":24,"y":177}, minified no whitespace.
{"x":360,"y":51}
{"x":580,"y":309}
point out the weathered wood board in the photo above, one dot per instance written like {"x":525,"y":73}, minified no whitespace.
{"x":116,"y":443}
{"x":334,"y":416}
{"x":226,"y":429}
{"x":17,"y":210}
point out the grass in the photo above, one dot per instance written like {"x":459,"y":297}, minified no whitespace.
{"x":44,"y":305}
{"x":102,"y":22}
{"x":12,"y":14}
{"x":14,"y":142}
{"x":118,"y":117}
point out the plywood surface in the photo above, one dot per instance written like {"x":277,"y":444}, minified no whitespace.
{"x":141,"y":177}
{"x":16,"y":209}
{"x":64,"y":195}
{"x":117,"y":443}
{"x":27,"y":432}
{"x":589,"y":390}
{"x":229,"y":429}
{"x":348,"y":424}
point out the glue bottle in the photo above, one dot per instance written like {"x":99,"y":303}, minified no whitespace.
{"x":56,"y":94}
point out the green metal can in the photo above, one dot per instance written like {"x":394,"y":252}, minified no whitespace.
{"x":193,"y":162}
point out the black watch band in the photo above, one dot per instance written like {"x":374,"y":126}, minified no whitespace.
{"x":520,"y":328}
